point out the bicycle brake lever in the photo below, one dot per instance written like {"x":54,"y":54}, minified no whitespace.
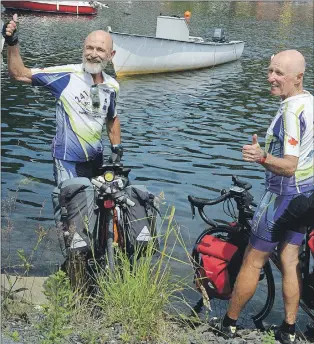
{"x":193,"y":210}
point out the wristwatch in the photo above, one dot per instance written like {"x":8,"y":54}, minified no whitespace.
{"x":263,"y":159}
{"x":117,"y":149}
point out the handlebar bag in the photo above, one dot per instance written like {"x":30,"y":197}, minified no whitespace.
{"x":141,"y":221}
{"x":75,"y":206}
{"x":215,"y":258}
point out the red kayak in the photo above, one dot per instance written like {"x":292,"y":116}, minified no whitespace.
{"x":73,"y":7}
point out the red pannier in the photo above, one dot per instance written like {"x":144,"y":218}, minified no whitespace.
{"x":212,"y":271}
{"x":311,"y":242}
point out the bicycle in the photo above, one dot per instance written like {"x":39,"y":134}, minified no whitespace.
{"x":238,"y":232}
{"x":103,"y":209}
{"x":111,"y":202}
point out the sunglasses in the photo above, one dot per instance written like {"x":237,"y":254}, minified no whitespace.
{"x":94,"y":94}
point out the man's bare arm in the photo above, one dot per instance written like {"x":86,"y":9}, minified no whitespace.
{"x":114,"y":130}
{"x":16,"y":67}
{"x":285,"y":166}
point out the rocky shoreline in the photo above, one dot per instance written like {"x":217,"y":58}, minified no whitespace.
{"x":24,"y":330}
{"x":21,"y":327}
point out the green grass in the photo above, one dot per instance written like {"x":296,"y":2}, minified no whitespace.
{"x":138,"y":297}
{"x":137,"y":300}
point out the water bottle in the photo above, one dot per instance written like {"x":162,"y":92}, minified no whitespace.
{"x":94,"y":95}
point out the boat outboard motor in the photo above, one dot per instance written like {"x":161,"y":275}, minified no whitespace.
{"x":219,"y":36}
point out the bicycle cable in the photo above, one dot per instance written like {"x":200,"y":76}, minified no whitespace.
{"x":230,"y":213}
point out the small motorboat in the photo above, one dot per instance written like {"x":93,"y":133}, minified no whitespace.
{"x":66,"y":7}
{"x":173,"y":49}
{"x":2,"y":38}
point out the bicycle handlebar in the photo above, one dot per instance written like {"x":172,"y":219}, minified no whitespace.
{"x":241,"y":183}
{"x":118,"y":196}
{"x":236,"y":189}
{"x":201,"y":202}
{"x":116,"y":167}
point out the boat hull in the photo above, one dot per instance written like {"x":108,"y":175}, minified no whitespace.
{"x":144,"y":55}
{"x":66,"y":7}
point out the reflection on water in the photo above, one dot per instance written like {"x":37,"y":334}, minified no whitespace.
{"x":182,"y":132}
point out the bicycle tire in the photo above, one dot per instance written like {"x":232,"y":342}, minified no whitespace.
{"x":305,"y":258}
{"x":260,"y":308}
{"x":110,"y":246}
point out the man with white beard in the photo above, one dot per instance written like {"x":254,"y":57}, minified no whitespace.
{"x":86,"y":102}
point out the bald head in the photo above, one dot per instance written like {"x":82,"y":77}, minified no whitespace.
{"x":285,"y":73}
{"x":101,"y":37}
{"x":97,"y":52}
{"x":292,"y":60}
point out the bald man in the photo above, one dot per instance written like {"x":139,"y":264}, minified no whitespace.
{"x":86,"y":102}
{"x":288,"y":161}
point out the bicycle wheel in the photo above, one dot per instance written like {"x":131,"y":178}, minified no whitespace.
{"x":261,"y":303}
{"x":110,"y":244}
{"x":306,"y":301}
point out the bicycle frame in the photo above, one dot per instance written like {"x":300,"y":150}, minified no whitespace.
{"x":107,"y":208}
{"x":110,"y":201}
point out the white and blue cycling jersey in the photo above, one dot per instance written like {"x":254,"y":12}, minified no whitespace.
{"x":291,"y":133}
{"x":79,"y":122}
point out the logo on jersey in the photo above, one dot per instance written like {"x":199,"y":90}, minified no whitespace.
{"x":293,"y":141}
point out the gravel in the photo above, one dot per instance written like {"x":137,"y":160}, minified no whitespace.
{"x":26,"y":332}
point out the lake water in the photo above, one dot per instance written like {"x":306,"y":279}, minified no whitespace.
{"x":182,"y":132}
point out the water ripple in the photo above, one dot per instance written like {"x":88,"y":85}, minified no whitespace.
{"x":182,"y":132}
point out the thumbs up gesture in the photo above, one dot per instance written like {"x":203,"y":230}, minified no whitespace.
{"x":254,"y":140}
{"x":9,"y":31}
{"x":252,"y":152}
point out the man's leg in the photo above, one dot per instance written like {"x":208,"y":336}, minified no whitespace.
{"x":62,"y":170}
{"x":255,"y":257}
{"x":247,"y":280}
{"x":291,"y":281}
{"x":291,"y":289}
{"x":290,"y":269}
{"x":261,"y":244}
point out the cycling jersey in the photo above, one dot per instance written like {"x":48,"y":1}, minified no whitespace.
{"x":291,"y":133}
{"x":80,"y":121}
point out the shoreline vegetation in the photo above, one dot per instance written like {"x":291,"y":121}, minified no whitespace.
{"x":142,"y":305}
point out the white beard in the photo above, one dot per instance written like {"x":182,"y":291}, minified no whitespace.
{"x":94,"y":68}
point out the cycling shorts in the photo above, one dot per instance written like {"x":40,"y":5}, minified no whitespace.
{"x":63,"y":170}
{"x":271,"y":224}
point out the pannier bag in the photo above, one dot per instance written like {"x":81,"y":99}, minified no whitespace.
{"x":75,"y":207}
{"x":141,"y":220}
{"x":311,"y":242}
{"x":308,"y":283}
{"x":217,"y":263}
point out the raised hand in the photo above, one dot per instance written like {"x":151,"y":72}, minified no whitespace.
{"x":9,"y":31}
{"x":252,"y":152}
